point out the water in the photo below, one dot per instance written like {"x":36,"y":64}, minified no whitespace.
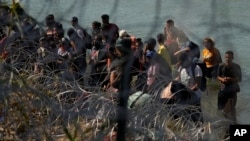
{"x":226,"y":21}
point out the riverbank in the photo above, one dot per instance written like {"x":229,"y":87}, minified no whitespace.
{"x":33,"y":106}
{"x":62,"y":115}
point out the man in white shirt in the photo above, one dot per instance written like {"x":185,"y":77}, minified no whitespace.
{"x":189,"y":73}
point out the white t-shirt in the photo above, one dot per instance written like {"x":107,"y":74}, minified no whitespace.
{"x":186,"y":77}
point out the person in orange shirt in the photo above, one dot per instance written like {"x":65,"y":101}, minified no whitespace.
{"x":212,"y":57}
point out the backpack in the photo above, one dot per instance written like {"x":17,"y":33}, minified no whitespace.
{"x":202,"y":65}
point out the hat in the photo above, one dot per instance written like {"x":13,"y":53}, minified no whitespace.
{"x":124,"y":45}
{"x":123,"y":33}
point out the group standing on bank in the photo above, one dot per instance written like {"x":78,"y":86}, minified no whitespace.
{"x":152,"y":65}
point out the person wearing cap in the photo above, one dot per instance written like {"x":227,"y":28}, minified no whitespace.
{"x":109,"y":30}
{"x":136,"y":66}
{"x":124,"y":34}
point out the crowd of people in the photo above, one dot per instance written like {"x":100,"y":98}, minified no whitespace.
{"x":110,"y":52}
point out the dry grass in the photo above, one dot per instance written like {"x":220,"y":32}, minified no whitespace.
{"x":37,"y":107}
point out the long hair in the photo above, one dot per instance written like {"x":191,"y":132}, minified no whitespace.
{"x":210,"y":40}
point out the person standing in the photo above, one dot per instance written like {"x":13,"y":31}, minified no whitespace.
{"x":82,"y":33}
{"x":109,"y":30}
{"x":229,"y":74}
{"x":179,"y":36}
{"x":162,"y":49}
{"x":123,"y":34}
{"x":78,"y":52}
{"x":53,"y":28}
{"x":211,"y":57}
{"x":96,"y":28}
{"x":189,"y":74}
{"x":158,"y":70}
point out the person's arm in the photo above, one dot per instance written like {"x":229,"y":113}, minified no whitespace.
{"x":102,"y":58}
{"x":114,"y":79}
{"x":220,"y":77}
{"x":237,"y":75}
{"x":73,"y":46}
{"x":195,"y":86}
{"x":197,"y":78}
{"x":218,"y":56}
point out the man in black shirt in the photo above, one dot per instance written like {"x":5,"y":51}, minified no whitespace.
{"x":229,"y":74}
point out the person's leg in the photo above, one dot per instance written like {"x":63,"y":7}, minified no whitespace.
{"x":214,"y":71}
{"x":221,"y":100}
{"x":233,"y":109}
{"x":229,"y":108}
{"x":209,"y":72}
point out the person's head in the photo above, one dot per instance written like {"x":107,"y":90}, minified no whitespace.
{"x":169,"y":23}
{"x":71,"y":32}
{"x":50,"y":19}
{"x":193,"y":49}
{"x":97,"y":41}
{"x":74,"y":21}
{"x":105,"y":19}
{"x":229,"y":56}
{"x":42,"y":42}
{"x":139,"y":43}
{"x":184,"y":60}
{"x":208,"y":43}
{"x":123,"y":33}
{"x":96,"y":25}
{"x":123,"y":47}
{"x":150,"y":44}
{"x":160,"y":38}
